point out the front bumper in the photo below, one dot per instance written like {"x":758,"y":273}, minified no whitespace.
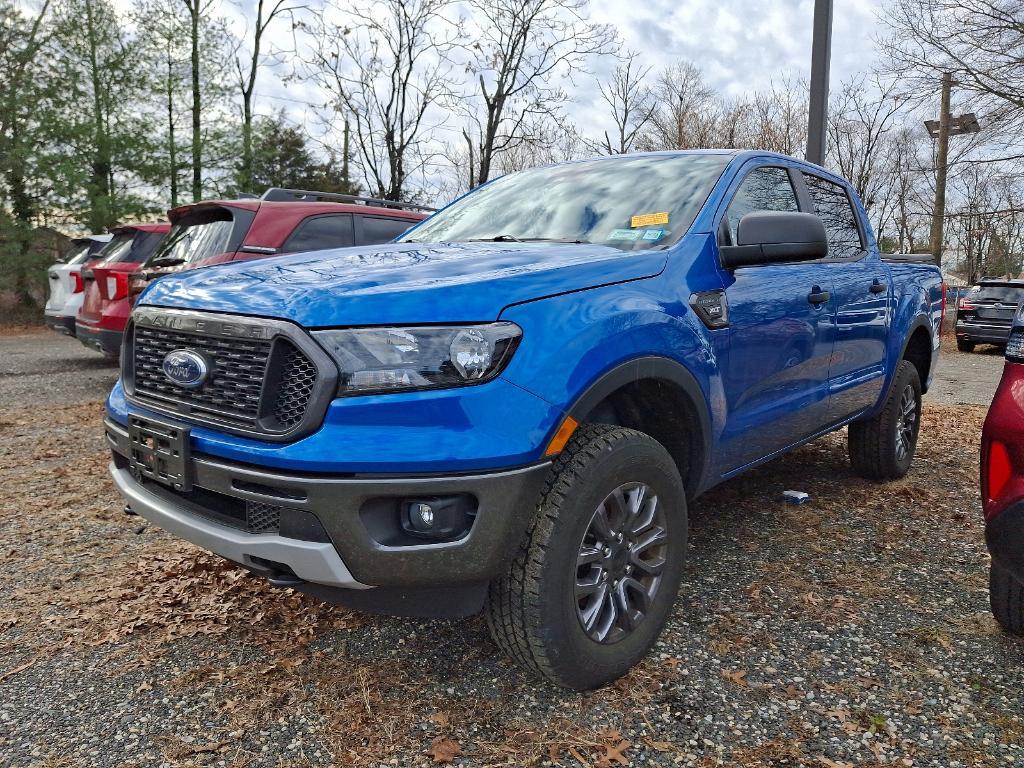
{"x":106,"y":341}
{"x":1004,"y":535}
{"x":61,"y":323}
{"x":986,"y":333}
{"x":359,"y":514}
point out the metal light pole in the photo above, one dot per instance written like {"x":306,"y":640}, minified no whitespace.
{"x":821,"y":56}
{"x":941,"y":130}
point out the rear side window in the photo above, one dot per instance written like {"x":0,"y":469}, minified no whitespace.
{"x":835,"y":210}
{"x":763,"y":189}
{"x":145,"y":245}
{"x":379,"y":229}
{"x":319,"y":232}
{"x":196,"y":236}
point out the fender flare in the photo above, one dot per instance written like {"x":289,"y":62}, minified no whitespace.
{"x":658,"y":368}
{"x":920,"y":321}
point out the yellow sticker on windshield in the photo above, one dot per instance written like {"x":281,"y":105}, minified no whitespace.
{"x":647,"y":219}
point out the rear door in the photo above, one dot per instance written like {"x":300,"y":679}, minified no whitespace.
{"x":775,"y":377}
{"x":862,"y":286}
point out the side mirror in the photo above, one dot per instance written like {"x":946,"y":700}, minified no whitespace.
{"x":772,"y":237}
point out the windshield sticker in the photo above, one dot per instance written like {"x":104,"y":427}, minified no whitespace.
{"x":647,"y":219}
{"x":653,"y":234}
{"x":624,"y":234}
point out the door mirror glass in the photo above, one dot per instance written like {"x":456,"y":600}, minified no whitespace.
{"x":771,"y":237}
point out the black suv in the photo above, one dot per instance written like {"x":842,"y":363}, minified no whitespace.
{"x":985,"y":313}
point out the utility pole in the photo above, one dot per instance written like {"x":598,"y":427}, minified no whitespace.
{"x":941,"y":130}
{"x":821,"y":56}
{"x":941,"y":160}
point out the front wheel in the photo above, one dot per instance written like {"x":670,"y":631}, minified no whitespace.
{"x":882,"y":448}
{"x":597,"y":573}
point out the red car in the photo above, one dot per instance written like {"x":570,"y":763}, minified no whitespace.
{"x":282,"y":221}
{"x":105,"y":308}
{"x":1002,"y":486}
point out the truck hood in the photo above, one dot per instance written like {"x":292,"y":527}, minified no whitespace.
{"x":401,"y":282}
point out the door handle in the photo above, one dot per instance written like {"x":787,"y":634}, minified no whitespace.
{"x":818,"y":296}
{"x":878,"y":287}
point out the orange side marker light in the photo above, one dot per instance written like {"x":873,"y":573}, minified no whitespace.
{"x":562,"y":436}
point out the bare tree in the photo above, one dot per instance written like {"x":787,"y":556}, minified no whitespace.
{"x":522,"y":51}
{"x":631,"y":102}
{"x":979,"y":41}
{"x":779,"y":117}
{"x":248,"y":72}
{"x":198,"y":11}
{"x":384,"y":69}
{"x":688,"y":110}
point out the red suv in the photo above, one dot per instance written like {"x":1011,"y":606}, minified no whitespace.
{"x":282,"y":221}
{"x":1002,"y":485}
{"x":105,"y":308}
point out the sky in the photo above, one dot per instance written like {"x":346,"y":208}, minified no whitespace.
{"x":741,"y":45}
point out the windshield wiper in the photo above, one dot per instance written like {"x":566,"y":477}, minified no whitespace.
{"x":514,"y":239}
{"x":167,"y":261}
{"x":495,"y":239}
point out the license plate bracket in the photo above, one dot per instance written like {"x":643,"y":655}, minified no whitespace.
{"x":159,"y":451}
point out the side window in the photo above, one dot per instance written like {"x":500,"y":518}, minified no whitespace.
{"x":835,"y":210}
{"x":377,"y":229}
{"x":319,"y":232}
{"x":764,"y":189}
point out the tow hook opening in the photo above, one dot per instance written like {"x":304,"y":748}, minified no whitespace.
{"x":278,"y":574}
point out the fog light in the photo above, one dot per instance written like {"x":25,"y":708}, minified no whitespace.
{"x":425,"y":513}
{"x":443,"y":518}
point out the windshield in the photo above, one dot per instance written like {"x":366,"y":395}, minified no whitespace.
{"x":628,"y":202}
{"x":1004,"y":294}
{"x":195,"y":238}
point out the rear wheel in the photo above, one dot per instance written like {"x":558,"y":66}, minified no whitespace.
{"x":598,"y":571}
{"x":964,"y":345}
{"x":1006,"y":597}
{"x":882,"y":448}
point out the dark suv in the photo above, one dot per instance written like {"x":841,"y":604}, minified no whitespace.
{"x":984,"y":314}
{"x":281,"y":221}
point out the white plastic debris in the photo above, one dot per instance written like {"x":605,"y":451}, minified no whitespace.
{"x":795,"y":497}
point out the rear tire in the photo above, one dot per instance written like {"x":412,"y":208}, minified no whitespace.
{"x":882,"y":448}
{"x":964,"y":345}
{"x":1006,"y":597}
{"x":597,"y":573}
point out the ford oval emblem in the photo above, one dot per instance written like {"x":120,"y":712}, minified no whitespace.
{"x":185,"y":368}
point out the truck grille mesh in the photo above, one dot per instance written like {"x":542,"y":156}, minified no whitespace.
{"x":262,"y":518}
{"x":234,"y":392}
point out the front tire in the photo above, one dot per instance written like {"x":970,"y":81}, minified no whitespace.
{"x":597,"y":573}
{"x":882,"y":448}
{"x":1006,"y":598}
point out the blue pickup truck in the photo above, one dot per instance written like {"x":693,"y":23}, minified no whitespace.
{"x":509,"y":408}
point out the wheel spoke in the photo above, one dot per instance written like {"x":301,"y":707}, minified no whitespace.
{"x":602,"y":524}
{"x":645,"y":516}
{"x":652,"y":538}
{"x":593,"y":611}
{"x":589,"y":555}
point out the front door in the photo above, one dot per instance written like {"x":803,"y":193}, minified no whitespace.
{"x":775,"y":378}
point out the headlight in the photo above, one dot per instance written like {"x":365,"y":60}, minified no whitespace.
{"x":418,"y":357}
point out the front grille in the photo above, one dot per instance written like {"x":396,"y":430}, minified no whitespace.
{"x":232,"y":392}
{"x":260,"y":385}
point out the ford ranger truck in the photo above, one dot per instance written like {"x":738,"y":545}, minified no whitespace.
{"x":510,"y":408}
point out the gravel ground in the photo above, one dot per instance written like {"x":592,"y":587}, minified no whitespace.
{"x":850,"y":631}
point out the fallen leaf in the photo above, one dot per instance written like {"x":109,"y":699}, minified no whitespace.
{"x":738,"y":677}
{"x":444,"y":750}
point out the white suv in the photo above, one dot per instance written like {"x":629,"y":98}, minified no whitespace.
{"x":66,"y":288}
